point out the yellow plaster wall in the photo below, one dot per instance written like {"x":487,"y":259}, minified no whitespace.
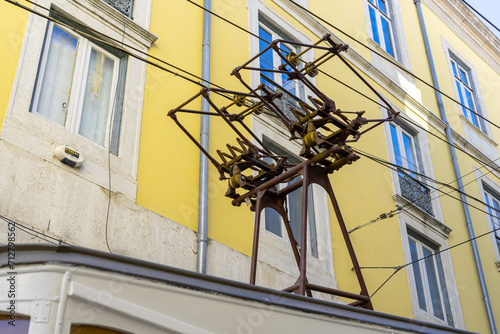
{"x":168,"y":164}
{"x":12,"y":24}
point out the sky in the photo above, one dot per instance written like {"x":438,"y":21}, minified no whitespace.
{"x":489,"y":9}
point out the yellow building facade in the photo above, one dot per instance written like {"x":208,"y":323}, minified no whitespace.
{"x":99,"y":78}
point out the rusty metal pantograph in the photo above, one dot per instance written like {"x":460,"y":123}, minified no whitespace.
{"x":254,"y":173}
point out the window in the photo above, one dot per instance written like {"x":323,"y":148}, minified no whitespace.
{"x":77,"y":85}
{"x":494,"y":202}
{"x":270,"y":60}
{"x":429,"y":279}
{"x":406,"y":155}
{"x":273,"y":221}
{"x":381,"y":25}
{"x":465,"y":91}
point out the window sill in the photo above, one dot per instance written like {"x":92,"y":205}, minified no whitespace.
{"x":379,"y":49}
{"x":479,"y":139}
{"x":422,"y":216}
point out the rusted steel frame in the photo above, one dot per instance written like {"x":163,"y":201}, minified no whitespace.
{"x":291,"y":288}
{"x":319,"y":288}
{"x":316,"y":62}
{"x":255,"y":137}
{"x":173,"y":111}
{"x":310,"y":47}
{"x":288,"y":189}
{"x":190,"y":111}
{"x":350,"y":248}
{"x":269,"y":104}
{"x":360,"y":300}
{"x":268,"y":199}
{"x":388,"y":119}
{"x":307,"y":45}
{"x":249,"y":110}
{"x":288,"y":174}
{"x":303,"y":78}
{"x":357,"y":303}
{"x":214,"y":162}
{"x":256,"y":231}
{"x":303,"y":230}
{"x":228,"y":121}
{"x":233,"y":92}
{"x":265,"y":70}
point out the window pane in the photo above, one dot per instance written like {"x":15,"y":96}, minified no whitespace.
{"x":287,"y":84}
{"x":454,"y":68}
{"x":295,"y":215}
{"x":97,"y":100}
{"x":434,"y":288}
{"x":395,"y":146}
{"x":312,"y":222}
{"x":295,"y":210}
{"x":463,"y":76}
{"x":373,"y":21}
{"x":387,"y":36}
{"x":409,"y":152}
{"x":418,"y":275}
{"x":273,"y":221}
{"x":461,"y":96}
{"x":471,"y":107}
{"x":55,"y":87}
{"x":266,"y":59}
{"x":382,"y":7}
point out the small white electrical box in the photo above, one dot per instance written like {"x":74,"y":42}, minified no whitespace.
{"x":69,"y":156}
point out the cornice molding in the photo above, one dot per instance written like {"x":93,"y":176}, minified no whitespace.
{"x":462,"y":21}
{"x":117,"y":20}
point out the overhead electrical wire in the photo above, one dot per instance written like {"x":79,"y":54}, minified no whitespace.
{"x":154,"y":64}
{"x":394,"y":62}
{"x":362,"y":94}
{"x":398,"y":268}
{"x":33,"y":232}
{"x":198,"y":83}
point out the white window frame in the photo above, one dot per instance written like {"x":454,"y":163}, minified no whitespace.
{"x":480,"y":137}
{"x":420,"y":245}
{"x":39,"y":136}
{"x":487,"y":185}
{"x":259,"y":14}
{"x":461,"y":88}
{"x":278,"y":77}
{"x":494,"y":217}
{"x":435,"y":233}
{"x":423,"y":162}
{"x":389,"y":17}
{"x":415,"y":151}
{"x":74,"y":108}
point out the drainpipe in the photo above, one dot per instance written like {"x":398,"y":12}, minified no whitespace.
{"x":202,"y":240}
{"x":468,"y":220}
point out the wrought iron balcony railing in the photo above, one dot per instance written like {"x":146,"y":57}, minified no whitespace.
{"x":123,"y":6}
{"x":287,"y":101}
{"x":415,"y":192}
